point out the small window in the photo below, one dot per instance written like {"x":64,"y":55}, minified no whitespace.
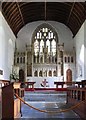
{"x":20,"y":59}
{"x":17,"y":59}
{"x":23,"y":59}
{"x":72,"y":59}
{"x":68,"y":59}
{"x":65,"y":59}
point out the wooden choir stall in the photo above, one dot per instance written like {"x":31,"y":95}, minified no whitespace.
{"x":11,"y":106}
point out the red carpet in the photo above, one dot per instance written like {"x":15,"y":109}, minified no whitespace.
{"x":47,"y":89}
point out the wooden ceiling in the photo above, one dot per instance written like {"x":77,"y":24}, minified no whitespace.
{"x":18,"y":14}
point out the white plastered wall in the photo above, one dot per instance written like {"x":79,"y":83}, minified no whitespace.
{"x":63,"y":32}
{"x":7,"y":45}
{"x":80,"y":44}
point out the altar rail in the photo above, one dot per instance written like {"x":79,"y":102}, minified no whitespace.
{"x":29,"y":85}
{"x":4,"y":83}
{"x":74,"y":96}
{"x":74,"y":83}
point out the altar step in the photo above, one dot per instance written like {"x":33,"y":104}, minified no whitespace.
{"x":45,"y":89}
{"x":49,"y":101}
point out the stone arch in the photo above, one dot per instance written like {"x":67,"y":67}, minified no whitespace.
{"x":40,"y":27}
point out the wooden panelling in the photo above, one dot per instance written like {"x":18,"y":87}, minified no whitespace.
{"x":11,"y":106}
{"x":8,"y":102}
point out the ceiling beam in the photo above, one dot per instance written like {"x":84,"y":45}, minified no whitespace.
{"x":70,"y":13}
{"x":45,"y":10}
{"x":20,"y":12}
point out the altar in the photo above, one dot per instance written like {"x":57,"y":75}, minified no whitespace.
{"x":50,"y":81}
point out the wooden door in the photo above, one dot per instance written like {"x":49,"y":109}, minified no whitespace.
{"x":69,"y":76}
{"x":21,"y":75}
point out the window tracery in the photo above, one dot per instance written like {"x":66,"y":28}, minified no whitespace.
{"x":44,"y":46}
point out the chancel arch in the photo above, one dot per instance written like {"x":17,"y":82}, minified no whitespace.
{"x":45,"y":55}
{"x":45,"y":52}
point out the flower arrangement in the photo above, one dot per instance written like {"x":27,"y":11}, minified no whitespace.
{"x":14,"y":76}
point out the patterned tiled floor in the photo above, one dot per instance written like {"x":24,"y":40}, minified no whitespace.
{"x":49,"y":101}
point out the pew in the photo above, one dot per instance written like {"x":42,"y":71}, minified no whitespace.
{"x":18,"y":90}
{"x":2,"y":83}
{"x":11,"y":106}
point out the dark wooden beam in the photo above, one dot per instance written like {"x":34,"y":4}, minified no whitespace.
{"x":20,"y":13}
{"x":70,"y":13}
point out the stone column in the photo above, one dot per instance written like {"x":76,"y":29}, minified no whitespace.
{"x":26,"y":66}
{"x":59,"y":63}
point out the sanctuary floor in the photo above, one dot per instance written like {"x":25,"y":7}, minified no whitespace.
{"x":50,"y":101}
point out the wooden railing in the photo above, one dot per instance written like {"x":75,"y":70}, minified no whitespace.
{"x":76,"y":95}
{"x":74,"y":83}
{"x":27,"y":85}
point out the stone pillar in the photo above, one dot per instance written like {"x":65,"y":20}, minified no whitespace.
{"x":35,"y":59}
{"x":60,"y":59}
{"x":26,"y":66}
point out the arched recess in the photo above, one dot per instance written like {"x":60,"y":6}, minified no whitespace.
{"x":21,"y":75}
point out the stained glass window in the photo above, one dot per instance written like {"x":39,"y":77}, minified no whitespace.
{"x":45,"y":42}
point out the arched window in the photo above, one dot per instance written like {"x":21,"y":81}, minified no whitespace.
{"x":45,"y":42}
{"x":17,"y":59}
